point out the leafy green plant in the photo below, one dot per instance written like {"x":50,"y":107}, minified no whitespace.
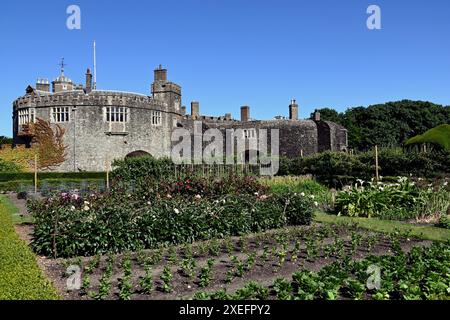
{"x":283,"y":289}
{"x":146,"y":282}
{"x":252,"y":291}
{"x":206,"y":274}
{"x":166,"y":278}
{"x":188,"y":266}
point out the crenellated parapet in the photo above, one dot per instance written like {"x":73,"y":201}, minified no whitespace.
{"x":38,"y":99}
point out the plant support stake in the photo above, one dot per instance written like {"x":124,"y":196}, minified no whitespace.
{"x":376,"y":165}
{"x":35,"y":173}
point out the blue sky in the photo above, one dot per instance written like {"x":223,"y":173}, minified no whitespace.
{"x":228,"y":53}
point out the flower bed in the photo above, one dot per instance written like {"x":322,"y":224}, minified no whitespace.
{"x":68,"y":225}
{"x":397,"y":201}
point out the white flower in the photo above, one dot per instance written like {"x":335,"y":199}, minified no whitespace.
{"x":176,"y":211}
{"x":149,"y":203}
{"x":312,"y":196}
{"x":86,"y":208}
{"x":86,"y":203}
{"x":316,"y":203}
{"x":302,"y":194}
{"x":198,"y":197}
{"x":256,"y":194}
{"x":445,"y":183}
{"x":72,"y":208}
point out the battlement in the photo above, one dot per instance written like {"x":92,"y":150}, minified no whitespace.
{"x":39,"y":99}
{"x":158,"y":87}
{"x":208,"y":119}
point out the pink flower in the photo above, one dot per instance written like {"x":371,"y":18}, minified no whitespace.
{"x":75,"y":197}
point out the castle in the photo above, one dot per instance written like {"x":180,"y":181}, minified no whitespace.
{"x":102,"y":125}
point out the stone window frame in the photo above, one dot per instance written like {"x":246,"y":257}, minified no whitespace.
{"x":60,"y":114}
{"x":114,"y":114}
{"x":156,"y":118}
{"x":26,"y":116}
{"x":249,"y":133}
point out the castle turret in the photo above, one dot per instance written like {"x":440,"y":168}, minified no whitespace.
{"x":62,"y":83}
{"x":166,"y":91}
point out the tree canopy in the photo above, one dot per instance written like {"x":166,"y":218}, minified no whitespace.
{"x":389,"y":124}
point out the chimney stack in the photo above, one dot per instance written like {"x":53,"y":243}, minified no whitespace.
{"x":245,"y":113}
{"x":316,"y":115}
{"x":293,"y":110}
{"x":161,"y":74}
{"x":195,"y":109}
{"x":43,"y":85}
{"x":88,"y":81}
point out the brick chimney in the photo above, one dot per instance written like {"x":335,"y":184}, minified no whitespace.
{"x":245,"y":113}
{"x":161,"y":74}
{"x":316,"y":115}
{"x":195,"y":109}
{"x":293,"y":110}
{"x":88,"y":81}
{"x":43,"y":85}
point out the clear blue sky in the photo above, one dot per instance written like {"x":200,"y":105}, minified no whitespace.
{"x":228,"y":53}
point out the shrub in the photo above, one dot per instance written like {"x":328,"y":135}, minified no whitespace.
{"x":113,"y":222}
{"x":444,"y":222}
{"x":20,"y":276}
{"x":7,"y":166}
{"x":338,"y":169}
{"x":400,"y":201}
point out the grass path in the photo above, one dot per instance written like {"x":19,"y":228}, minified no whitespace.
{"x":423,"y":232}
{"x":20,"y":276}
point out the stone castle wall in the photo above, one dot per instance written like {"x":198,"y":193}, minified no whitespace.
{"x":90,"y":140}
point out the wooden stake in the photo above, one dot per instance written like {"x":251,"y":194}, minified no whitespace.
{"x":35,"y":173}
{"x":107,"y":174}
{"x":376,"y":165}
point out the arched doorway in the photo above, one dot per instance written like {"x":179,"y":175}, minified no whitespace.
{"x":138,"y":154}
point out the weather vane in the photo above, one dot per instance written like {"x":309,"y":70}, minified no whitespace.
{"x":62,"y":65}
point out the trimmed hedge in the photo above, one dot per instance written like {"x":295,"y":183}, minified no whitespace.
{"x":20,"y":276}
{"x":49,"y":184}
{"x":13,"y":176}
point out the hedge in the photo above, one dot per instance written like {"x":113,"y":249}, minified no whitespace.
{"x":20,"y":276}
{"x":48,"y":184}
{"x":13,"y":176}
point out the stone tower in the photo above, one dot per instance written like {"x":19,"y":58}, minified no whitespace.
{"x":167,"y":91}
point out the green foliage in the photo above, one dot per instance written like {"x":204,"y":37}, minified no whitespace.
{"x":20,"y":276}
{"x":439,"y":136}
{"x":444,"y":222}
{"x":400,"y":201}
{"x":300,"y":185}
{"x":5,"y":140}
{"x":389,"y":124}
{"x":29,"y":176}
{"x":6,"y":166}
{"x":116,"y":222}
{"x":338,"y":169}
{"x":166,"y":278}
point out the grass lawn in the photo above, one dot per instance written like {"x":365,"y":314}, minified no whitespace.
{"x":424,"y":232}
{"x":14,"y":212}
{"x":20,"y":276}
